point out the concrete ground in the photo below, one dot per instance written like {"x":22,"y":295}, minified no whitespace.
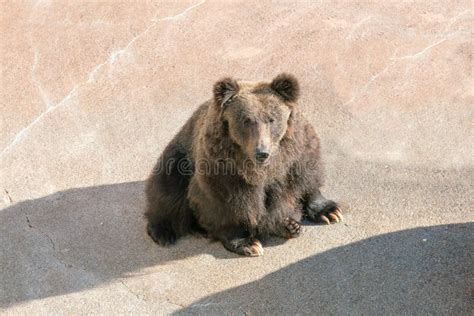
{"x":92,"y":92}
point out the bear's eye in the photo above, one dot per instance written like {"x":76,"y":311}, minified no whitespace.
{"x":271,"y":120}
{"x":247,"y":121}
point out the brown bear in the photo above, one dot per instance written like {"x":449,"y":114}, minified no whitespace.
{"x":245,"y":166}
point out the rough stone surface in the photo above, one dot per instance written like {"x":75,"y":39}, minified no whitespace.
{"x":91,"y":92}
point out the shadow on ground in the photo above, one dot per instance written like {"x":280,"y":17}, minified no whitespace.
{"x":78,"y":239}
{"x":82,"y":238}
{"x":417,"y":271}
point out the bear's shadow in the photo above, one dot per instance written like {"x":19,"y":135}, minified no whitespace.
{"x":98,"y":231}
{"x":84,"y":237}
{"x":418,"y":271}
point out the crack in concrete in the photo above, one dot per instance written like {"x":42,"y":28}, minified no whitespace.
{"x":51,"y":242}
{"x":22,"y":133}
{"x":356,"y":26}
{"x":143,"y":299}
{"x":53,"y":245}
{"x":424,"y":50}
{"x":454,"y":19}
{"x":132,"y":292}
{"x":179,"y":15}
{"x":28,"y":222}
{"x":369,"y":83}
{"x":204,"y":304}
{"x":394,"y":60}
{"x":44,"y":95}
{"x":7,"y":198}
{"x":91,"y":76}
{"x":115,"y":55}
{"x":169,"y":301}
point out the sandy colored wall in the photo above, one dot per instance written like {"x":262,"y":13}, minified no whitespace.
{"x":91,"y":92}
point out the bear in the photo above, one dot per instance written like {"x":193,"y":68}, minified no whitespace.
{"x":244,"y":167}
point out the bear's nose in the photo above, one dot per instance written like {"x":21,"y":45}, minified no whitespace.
{"x":261,"y":154}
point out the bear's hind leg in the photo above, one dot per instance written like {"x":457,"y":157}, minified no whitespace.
{"x":239,"y":241}
{"x":162,"y":233}
{"x":168,"y":213}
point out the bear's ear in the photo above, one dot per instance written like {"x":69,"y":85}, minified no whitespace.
{"x":225,"y":89}
{"x":286,"y":86}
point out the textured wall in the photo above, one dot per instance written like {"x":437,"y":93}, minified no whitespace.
{"x":91,"y":92}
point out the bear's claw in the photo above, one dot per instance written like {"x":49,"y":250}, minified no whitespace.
{"x":254,"y":249}
{"x":293,"y":228}
{"x":326,"y":212}
{"x":250,"y":247}
{"x":333,"y":216}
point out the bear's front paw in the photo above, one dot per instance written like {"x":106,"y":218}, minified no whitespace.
{"x":326,"y":212}
{"x":292,"y":228}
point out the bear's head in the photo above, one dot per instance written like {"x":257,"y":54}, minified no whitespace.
{"x":256,"y":115}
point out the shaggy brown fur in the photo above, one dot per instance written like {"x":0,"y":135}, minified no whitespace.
{"x":246,"y":165}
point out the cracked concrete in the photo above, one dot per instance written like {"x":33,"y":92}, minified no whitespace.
{"x":44,"y":95}
{"x":91,"y":77}
{"x":7,"y":199}
{"x":91,"y":93}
